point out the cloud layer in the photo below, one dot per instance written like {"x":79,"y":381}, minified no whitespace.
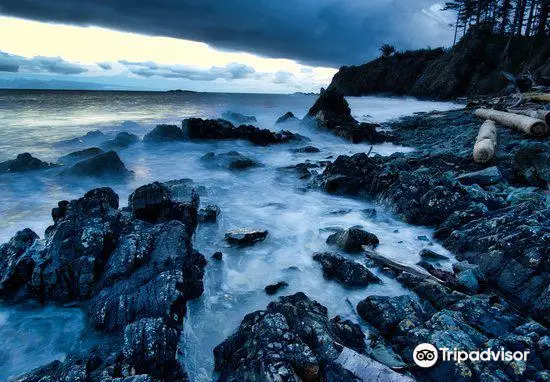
{"x":55,"y":65}
{"x":316,"y":32}
{"x":232,"y":71}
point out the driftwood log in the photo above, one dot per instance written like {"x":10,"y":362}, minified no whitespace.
{"x":486,"y":142}
{"x":539,"y":114}
{"x":368,"y":370}
{"x":523,"y":123}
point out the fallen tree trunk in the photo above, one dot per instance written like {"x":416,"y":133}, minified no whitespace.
{"x":523,"y":123}
{"x":486,"y":142}
{"x":368,"y":370}
{"x":539,"y":114}
{"x":397,"y":267}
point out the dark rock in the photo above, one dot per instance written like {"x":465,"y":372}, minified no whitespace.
{"x":238,"y":118}
{"x":232,"y":160}
{"x":105,"y":166}
{"x":274,"y":288}
{"x":429,"y":254}
{"x":217,"y":256}
{"x":467,"y":278}
{"x":348,"y":272}
{"x":307,"y":149}
{"x":77,"y":156}
{"x":207,"y":129}
{"x":287,"y":117}
{"x":485,"y":177}
{"x":185,"y":191}
{"x":331,"y":111}
{"x":154,"y":203}
{"x":164,"y":133}
{"x":353,"y":239}
{"x":292,"y":340}
{"x":151,"y":346}
{"x":23,"y":163}
{"x":16,"y":263}
{"x":245,"y":236}
{"x":88,"y":138}
{"x":134,"y":277}
{"x":209,"y":214}
{"x":302,"y":170}
{"x":391,"y":315}
{"x":531,"y":164}
{"x":122,"y":140}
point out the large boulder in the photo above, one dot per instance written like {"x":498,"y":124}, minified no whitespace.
{"x":331,"y":111}
{"x":77,"y":156}
{"x":91,"y":137}
{"x":353,"y":239}
{"x":207,"y":129}
{"x":104,"y":166}
{"x":164,"y":133}
{"x":23,"y":163}
{"x":348,"y":272}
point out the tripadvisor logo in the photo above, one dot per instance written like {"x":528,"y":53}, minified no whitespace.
{"x":426,"y":355}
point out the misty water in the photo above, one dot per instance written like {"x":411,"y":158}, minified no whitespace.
{"x":298,"y":221}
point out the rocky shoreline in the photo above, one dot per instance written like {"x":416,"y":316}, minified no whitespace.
{"x":134,"y":269}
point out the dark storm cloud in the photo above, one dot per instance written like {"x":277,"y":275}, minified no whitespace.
{"x":39,"y":64}
{"x":232,"y":71}
{"x":319,"y":32}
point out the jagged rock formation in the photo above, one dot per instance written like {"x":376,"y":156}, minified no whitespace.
{"x":135,"y":272}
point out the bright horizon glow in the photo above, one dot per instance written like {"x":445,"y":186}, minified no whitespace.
{"x":92,"y":45}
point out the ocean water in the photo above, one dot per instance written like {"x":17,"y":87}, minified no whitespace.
{"x":266,"y":197}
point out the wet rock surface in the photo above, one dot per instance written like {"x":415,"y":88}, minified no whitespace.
{"x":134,"y":277}
{"x":350,"y":273}
{"x":164,"y":133}
{"x":104,"y":166}
{"x":207,"y":129}
{"x":245,"y":236}
{"x":353,"y":239}
{"x":77,"y":156}
{"x":292,"y":340}
{"x":23,"y":163}
{"x":331,"y":112}
{"x":287,"y":117}
{"x":498,"y":225}
{"x":121,"y":141}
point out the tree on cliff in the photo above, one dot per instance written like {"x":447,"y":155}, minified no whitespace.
{"x":509,"y":17}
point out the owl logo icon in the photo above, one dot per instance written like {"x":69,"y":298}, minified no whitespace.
{"x":425,"y":355}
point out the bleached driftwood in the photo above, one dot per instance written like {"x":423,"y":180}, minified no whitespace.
{"x":486,"y":142}
{"x":539,"y":114}
{"x":368,"y":370}
{"x":523,"y":123}
{"x":397,"y":267}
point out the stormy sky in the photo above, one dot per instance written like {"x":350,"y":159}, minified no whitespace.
{"x":266,"y":45}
